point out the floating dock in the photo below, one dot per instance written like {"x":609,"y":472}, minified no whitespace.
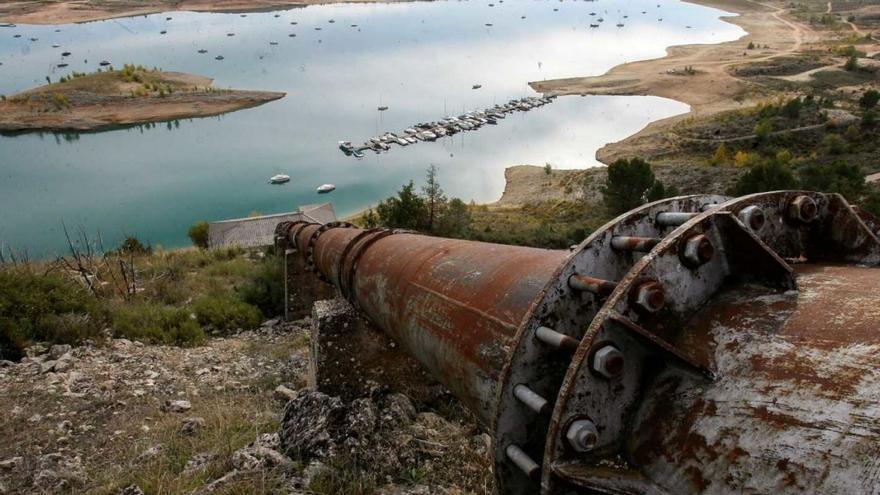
{"x":431,"y":131}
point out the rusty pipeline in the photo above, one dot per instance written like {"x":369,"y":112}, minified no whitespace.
{"x":698,"y":344}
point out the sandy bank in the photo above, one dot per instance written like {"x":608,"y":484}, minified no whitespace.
{"x":710,"y":87}
{"x":111,"y":99}
{"x":63,"y":12}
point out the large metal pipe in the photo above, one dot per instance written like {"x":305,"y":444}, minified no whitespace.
{"x":570,"y":358}
{"x":453,"y":305}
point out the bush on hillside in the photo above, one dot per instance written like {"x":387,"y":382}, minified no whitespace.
{"x":156,"y":324}
{"x":264,"y":287}
{"x":869,"y":99}
{"x":44,"y":307}
{"x":765,"y":175}
{"x":631,"y":183}
{"x":225,"y":314}
{"x":198,"y":234}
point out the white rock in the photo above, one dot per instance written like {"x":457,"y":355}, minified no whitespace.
{"x":47,"y":366}
{"x":284,"y":393}
{"x":177,"y":405}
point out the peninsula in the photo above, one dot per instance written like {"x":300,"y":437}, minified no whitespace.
{"x":113,"y":98}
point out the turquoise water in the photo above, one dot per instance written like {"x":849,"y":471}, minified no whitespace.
{"x":420,"y":59}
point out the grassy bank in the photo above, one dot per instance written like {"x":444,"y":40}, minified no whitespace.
{"x":178,"y":297}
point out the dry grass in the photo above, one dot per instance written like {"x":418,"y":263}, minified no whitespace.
{"x":232,"y":421}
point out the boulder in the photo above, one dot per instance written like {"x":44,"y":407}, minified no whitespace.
{"x":313,"y":425}
{"x":192,"y":425}
{"x":58,"y":350}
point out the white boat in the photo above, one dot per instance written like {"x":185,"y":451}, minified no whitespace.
{"x":325,"y":188}
{"x":279,"y":179}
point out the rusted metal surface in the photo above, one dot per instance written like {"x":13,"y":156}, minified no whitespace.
{"x":698,"y":344}
{"x":453,"y":305}
{"x":568,"y":310}
{"x":795,"y":406}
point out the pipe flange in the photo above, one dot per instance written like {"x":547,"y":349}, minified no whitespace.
{"x":346,"y":277}
{"x":310,"y":246}
{"x":634,"y":331}
{"x":343,"y":279}
{"x":559,"y":315}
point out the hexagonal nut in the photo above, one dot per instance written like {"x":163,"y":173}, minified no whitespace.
{"x":752,"y":217}
{"x":651,"y":297}
{"x":608,"y":361}
{"x":582,"y":435}
{"x":698,"y":250}
{"x":803,"y":208}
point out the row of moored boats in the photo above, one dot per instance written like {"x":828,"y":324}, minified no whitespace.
{"x":431,"y":131}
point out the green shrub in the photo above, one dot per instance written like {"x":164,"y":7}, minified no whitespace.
{"x":763,"y":129}
{"x":833,"y":144}
{"x":869,"y":99}
{"x":766,"y":175}
{"x":225,"y":313}
{"x":869,"y":119}
{"x":156,"y":324}
{"x":837,"y":177}
{"x":631,"y":183}
{"x":198,"y":234}
{"x":264,"y":287}
{"x":792,"y":109}
{"x":44,"y":307}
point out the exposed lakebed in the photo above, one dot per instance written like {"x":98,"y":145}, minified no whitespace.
{"x":419,"y":59}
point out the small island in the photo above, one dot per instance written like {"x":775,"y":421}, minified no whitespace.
{"x":116,"y":98}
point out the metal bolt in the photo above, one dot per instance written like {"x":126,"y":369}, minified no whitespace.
{"x":522,"y":460}
{"x":698,"y":250}
{"x":674,"y":218}
{"x":608,"y":361}
{"x":803,"y":208}
{"x":591,"y":284}
{"x":651,"y":297}
{"x":629,"y":243}
{"x":531,"y":399}
{"x":752,"y":217}
{"x":555,"y":339}
{"x":582,"y":435}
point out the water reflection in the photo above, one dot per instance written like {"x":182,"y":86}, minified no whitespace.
{"x":421,"y":60}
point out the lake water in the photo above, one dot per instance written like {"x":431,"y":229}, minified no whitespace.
{"x":420,"y":59}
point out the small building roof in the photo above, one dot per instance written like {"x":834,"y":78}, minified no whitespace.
{"x":259,"y":231}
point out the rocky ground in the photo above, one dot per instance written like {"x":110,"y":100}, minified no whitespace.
{"x":130,"y":418}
